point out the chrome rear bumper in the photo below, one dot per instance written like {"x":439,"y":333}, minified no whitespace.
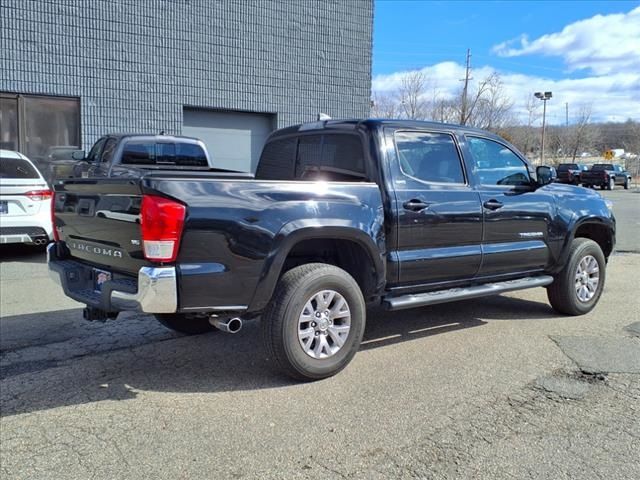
{"x":155,"y":291}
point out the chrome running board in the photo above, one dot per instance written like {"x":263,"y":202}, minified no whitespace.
{"x":464,"y":293}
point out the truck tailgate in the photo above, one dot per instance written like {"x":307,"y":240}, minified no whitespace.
{"x":99,"y":222}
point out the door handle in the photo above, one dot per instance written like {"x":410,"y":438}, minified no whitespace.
{"x":493,"y":204}
{"x":415,"y":205}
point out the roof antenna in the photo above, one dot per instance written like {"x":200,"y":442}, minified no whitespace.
{"x":323,"y":117}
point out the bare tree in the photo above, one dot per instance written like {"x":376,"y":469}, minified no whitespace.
{"x":467,"y":107}
{"x":384,"y":105}
{"x":445,"y":110}
{"x":417,"y":98}
{"x":412,"y":95}
{"x":492,"y":106}
{"x":582,"y":135}
{"x":532,"y":107}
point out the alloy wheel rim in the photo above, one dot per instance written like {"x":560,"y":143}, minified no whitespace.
{"x":324,"y":324}
{"x":587,"y":278}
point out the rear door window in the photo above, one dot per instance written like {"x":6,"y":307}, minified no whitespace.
{"x":17,"y":168}
{"x":429,"y":157}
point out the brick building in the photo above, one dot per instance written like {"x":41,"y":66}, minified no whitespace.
{"x":227,"y":71}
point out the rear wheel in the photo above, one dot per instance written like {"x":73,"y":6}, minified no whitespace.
{"x":188,"y":323}
{"x":314,"y":324}
{"x":577,"y":288}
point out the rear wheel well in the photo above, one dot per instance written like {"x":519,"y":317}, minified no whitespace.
{"x":599,"y":234}
{"x":345,"y":254}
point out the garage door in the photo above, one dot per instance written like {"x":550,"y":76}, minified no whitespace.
{"x":234,"y":139}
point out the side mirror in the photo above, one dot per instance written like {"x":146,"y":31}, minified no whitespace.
{"x":78,"y":155}
{"x":546,"y":175}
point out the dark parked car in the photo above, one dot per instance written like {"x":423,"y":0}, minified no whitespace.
{"x":340,"y":214}
{"x":570,"y":173}
{"x":606,"y":175}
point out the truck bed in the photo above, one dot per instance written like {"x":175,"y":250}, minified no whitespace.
{"x":231,"y":231}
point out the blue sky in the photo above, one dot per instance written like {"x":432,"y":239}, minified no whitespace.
{"x":569,"y":46}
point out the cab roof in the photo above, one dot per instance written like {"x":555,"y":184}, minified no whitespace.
{"x":373,"y":123}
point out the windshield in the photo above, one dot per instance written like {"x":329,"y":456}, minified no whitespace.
{"x":602,"y":166}
{"x":567,"y":166}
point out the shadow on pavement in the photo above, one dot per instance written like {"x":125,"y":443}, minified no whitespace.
{"x":124,"y":358}
{"x":22,"y":253}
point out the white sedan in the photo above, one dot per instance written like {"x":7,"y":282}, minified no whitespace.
{"x":25,"y":201}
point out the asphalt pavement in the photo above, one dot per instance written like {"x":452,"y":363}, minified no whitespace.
{"x":501,"y":387}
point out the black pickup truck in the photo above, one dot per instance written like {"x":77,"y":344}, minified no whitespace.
{"x":606,"y":175}
{"x":341,"y":215}
{"x":570,"y":173}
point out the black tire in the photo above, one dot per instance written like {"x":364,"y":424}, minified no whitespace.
{"x":188,"y":323}
{"x":280,"y":320}
{"x":612,"y":184}
{"x":562,"y":292}
{"x":626,"y":184}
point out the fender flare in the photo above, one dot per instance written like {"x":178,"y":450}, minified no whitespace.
{"x":594,"y":220}
{"x":297,"y":231}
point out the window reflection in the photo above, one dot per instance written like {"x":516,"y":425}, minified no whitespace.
{"x":495,"y":164}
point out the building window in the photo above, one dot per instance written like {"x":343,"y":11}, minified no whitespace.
{"x":38,"y":126}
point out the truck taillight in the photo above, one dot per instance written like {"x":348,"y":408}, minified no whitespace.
{"x":56,"y":237}
{"x":39,"y":195}
{"x":161,"y":222}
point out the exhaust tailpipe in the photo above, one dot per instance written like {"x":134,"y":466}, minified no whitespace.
{"x":39,"y":241}
{"x":227,"y":325}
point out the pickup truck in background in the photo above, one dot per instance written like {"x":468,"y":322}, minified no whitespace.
{"x":114,"y":155}
{"x":341,"y":215}
{"x":606,"y":175}
{"x":570,"y":173}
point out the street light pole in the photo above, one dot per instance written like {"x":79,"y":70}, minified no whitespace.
{"x":544,"y":97}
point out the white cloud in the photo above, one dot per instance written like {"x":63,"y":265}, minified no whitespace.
{"x":603,"y":44}
{"x":605,"y":48}
{"x":613,"y":97}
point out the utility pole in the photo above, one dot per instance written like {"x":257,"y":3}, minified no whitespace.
{"x":467,"y":77}
{"x":544,"y":96}
{"x":566,"y":107}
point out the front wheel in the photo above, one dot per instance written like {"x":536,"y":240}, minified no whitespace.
{"x":315,"y":321}
{"x":612,"y":184}
{"x":577,"y":288}
{"x":188,"y":323}
{"x":626,"y":184}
